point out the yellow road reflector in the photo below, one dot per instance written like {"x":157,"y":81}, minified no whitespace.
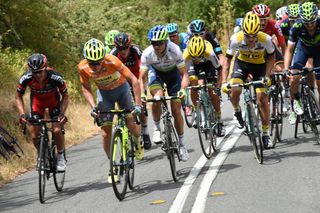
{"x":217,"y":193}
{"x":155,"y":202}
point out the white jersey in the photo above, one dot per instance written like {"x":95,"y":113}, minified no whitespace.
{"x":171,"y":60}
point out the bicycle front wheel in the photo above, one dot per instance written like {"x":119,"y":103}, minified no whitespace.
{"x":254,"y":132}
{"x":58,"y":176}
{"x":205,"y":131}
{"x":118,"y":165}
{"x":43,"y":166}
{"x":314,"y":112}
{"x":3,"y":151}
{"x":10,"y":143}
{"x":276,"y":119}
{"x":131,"y":162}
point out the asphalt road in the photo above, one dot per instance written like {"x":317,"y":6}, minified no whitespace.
{"x":232,"y":181}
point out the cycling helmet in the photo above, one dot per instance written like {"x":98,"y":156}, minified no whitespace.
{"x":158,"y":33}
{"x":172,"y":28}
{"x":308,"y":12}
{"x":122,"y":40}
{"x":196,"y":26}
{"x":239,"y":21}
{"x":281,"y":12}
{"x":196,"y":46}
{"x":109,"y":38}
{"x":94,"y":50}
{"x":261,"y":10}
{"x":251,"y":24}
{"x":293,"y":11}
{"x":37,"y":61}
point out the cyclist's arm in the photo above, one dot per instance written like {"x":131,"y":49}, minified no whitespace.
{"x":229,"y":55}
{"x":288,"y":54}
{"x":20,"y":103}
{"x":184,"y":77}
{"x":134,"y":82}
{"x":271,"y":56}
{"x":87,"y":92}
{"x":64,"y":103}
{"x":225,"y":70}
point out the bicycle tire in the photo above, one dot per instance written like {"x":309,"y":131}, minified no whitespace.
{"x":205,"y":133}
{"x":314,"y":112}
{"x":169,"y":129}
{"x":118,"y":166}
{"x":58,"y":176}
{"x":42,"y":168}
{"x":276,"y":119}
{"x":131,"y":163}
{"x":189,"y":119}
{"x":3,"y":152}
{"x":10,"y":143}
{"x":254,"y":133}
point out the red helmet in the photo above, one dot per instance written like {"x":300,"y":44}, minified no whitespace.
{"x":122,"y":40}
{"x":37,"y":62}
{"x":261,"y":10}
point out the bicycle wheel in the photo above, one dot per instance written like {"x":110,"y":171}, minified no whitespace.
{"x":58,"y":176}
{"x":118,"y":165}
{"x":3,"y":151}
{"x":10,"y":143}
{"x":254,"y":133}
{"x":205,"y":132}
{"x":276,"y":118}
{"x":188,"y":110}
{"x":131,"y":163}
{"x":314,"y":113}
{"x":43,"y":164}
{"x":169,"y":144}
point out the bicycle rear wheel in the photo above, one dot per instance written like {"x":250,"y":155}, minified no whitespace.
{"x":43,"y":165}
{"x":131,"y":163}
{"x":276,"y":119}
{"x":314,"y":112}
{"x":205,"y":131}
{"x":58,"y":176}
{"x":118,"y":165}
{"x":10,"y":143}
{"x":3,"y":151}
{"x":170,"y":141}
{"x":254,"y":133}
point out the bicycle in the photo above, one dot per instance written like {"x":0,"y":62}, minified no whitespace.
{"x":311,"y":111}
{"x":276,"y":107}
{"x":206,"y":119}
{"x":252,"y":116}
{"x":171,"y":144}
{"x":47,"y":157}
{"x":189,"y":110}
{"x":9,"y":144}
{"x":122,"y":155}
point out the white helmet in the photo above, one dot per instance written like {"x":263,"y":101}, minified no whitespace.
{"x":281,"y":12}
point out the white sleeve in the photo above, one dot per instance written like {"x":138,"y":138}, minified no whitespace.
{"x":232,"y":46}
{"x":270,"y":46}
{"x":214,"y":60}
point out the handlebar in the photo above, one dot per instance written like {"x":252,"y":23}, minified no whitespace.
{"x":247,"y":84}
{"x":161,"y":98}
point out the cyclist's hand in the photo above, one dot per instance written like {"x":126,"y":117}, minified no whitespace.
{"x":95,"y":112}
{"x":62,"y":118}
{"x":182,"y":93}
{"x":23,"y":120}
{"x":225,"y":88}
{"x":143,"y":97}
{"x":218,"y":92}
{"x":137,"y":110}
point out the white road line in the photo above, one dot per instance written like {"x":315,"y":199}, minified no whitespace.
{"x":178,"y":203}
{"x":200,"y":202}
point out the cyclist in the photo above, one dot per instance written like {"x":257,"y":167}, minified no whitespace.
{"x":304,"y":43}
{"x":292,"y":16}
{"x":47,"y":90}
{"x":237,"y":28}
{"x":199,"y":56}
{"x":130,"y":55}
{"x":252,"y":45}
{"x":281,"y":14}
{"x":109,"y":40}
{"x":162,"y":62}
{"x":110,"y":76}
{"x":179,"y":39}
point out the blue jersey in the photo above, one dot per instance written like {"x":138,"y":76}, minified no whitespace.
{"x":285,"y":28}
{"x":183,"y":39}
{"x":299,"y":32}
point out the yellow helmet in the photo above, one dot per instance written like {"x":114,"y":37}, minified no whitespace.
{"x":196,"y":46}
{"x":251,"y":24}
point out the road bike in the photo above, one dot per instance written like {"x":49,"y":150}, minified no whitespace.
{"x":47,"y":156}
{"x":122,"y":164}
{"x":311,"y":111}
{"x":171,"y":144}
{"x":252,"y":116}
{"x":206,"y":118}
{"x":9,"y":145}
{"x":189,"y":110}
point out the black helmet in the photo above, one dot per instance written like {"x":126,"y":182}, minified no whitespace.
{"x":37,"y":61}
{"x":122,"y":40}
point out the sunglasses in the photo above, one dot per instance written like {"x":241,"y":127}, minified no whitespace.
{"x":94,"y":63}
{"x":250,"y":36}
{"x":123,"y":48}
{"x":157,"y":43}
{"x":310,"y":22}
{"x":173,"y":35}
{"x":37,"y":72}
{"x":199,"y":34}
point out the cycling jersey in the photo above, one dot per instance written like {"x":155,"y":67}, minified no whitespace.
{"x":208,"y":55}
{"x":183,"y":39}
{"x":170,"y":61}
{"x":285,"y":28}
{"x":209,"y":36}
{"x":44,"y":95}
{"x":113,"y":73}
{"x":299,"y":32}
{"x":133,"y":61}
{"x":251,"y":55}
{"x":272,"y":28}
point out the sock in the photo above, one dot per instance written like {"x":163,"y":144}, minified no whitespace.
{"x":265,"y":129}
{"x":218,"y":115}
{"x":236,"y":108}
{"x":157,"y":125}
{"x":181,"y":140}
{"x":144,"y":129}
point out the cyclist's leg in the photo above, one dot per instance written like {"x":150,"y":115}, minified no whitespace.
{"x":37,"y":111}
{"x":193,"y":79}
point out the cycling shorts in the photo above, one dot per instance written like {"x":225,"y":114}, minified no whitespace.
{"x":106,"y":100}
{"x":208,"y":68}
{"x":157,"y":79}
{"x":38,"y":107}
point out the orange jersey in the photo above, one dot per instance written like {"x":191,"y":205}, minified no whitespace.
{"x":113,"y":73}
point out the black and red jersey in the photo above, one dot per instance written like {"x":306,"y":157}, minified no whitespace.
{"x":133,"y":61}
